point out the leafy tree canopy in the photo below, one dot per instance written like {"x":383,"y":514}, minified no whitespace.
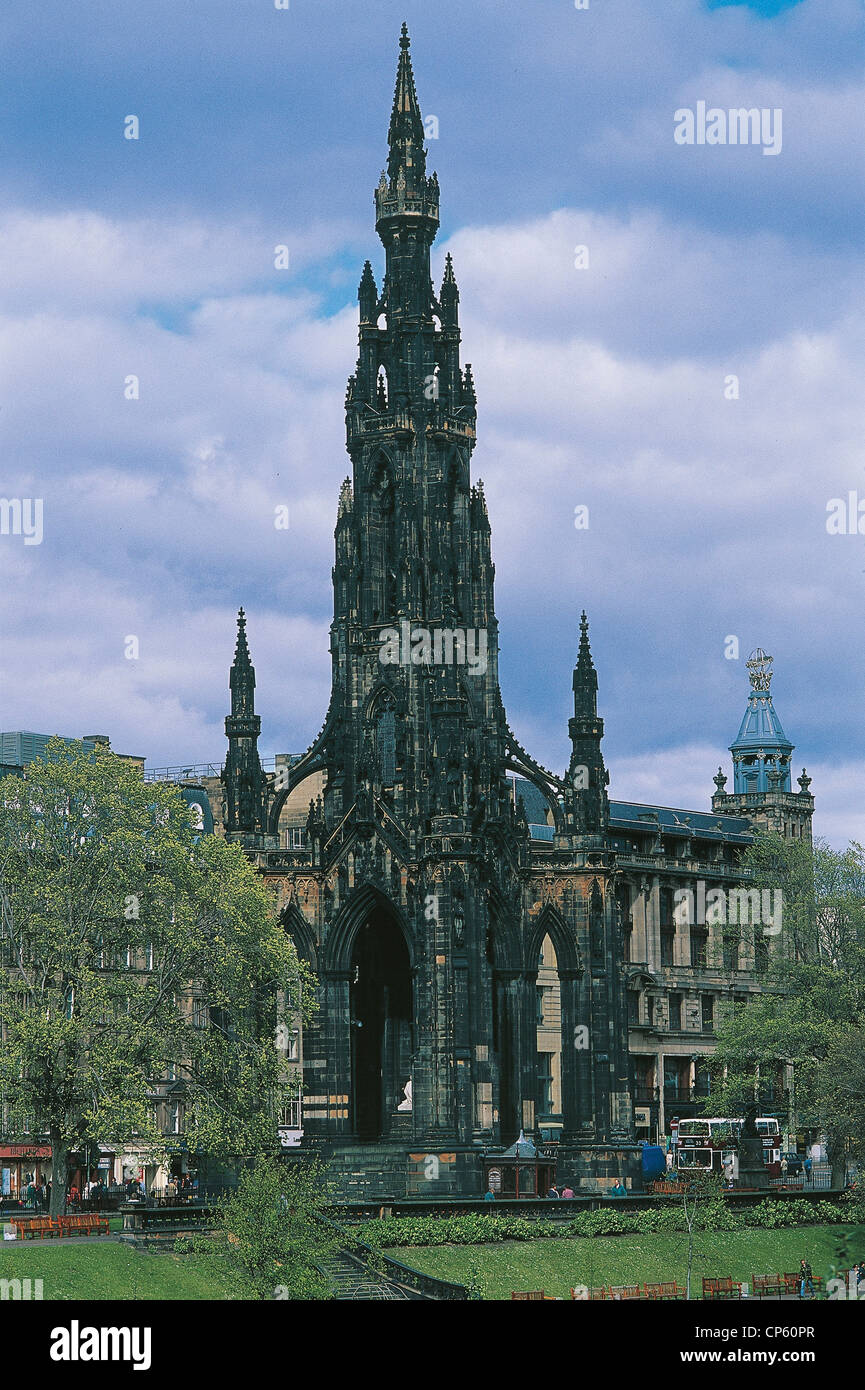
{"x":134,"y":949}
{"x":812,"y":1010}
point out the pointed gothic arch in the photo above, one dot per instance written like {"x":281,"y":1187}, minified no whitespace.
{"x":362,"y":901}
{"x":551,"y":923}
{"x":301,"y":934}
{"x":503,"y":947}
{"x":370,"y":951}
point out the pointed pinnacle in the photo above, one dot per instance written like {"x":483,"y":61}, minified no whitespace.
{"x":241,"y":651}
{"x":406,"y":133}
{"x":584,"y":659}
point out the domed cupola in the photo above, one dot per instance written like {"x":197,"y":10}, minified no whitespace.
{"x":761,"y":751}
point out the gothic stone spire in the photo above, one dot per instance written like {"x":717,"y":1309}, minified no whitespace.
{"x":242,"y":776}
{"x":586,"y":801}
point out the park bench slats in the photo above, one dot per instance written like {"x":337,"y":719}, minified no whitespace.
{"x":773,"y":1285}
{"x":32,"y":1226}
{"x":29,"y":1227}
{"x":768,"y":1285}
{"x":714,"y":1289}
{"x":535,"y":1296}
{"x":664,"y":1291}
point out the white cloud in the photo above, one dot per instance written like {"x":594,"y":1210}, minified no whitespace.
{"x":707,"y":515}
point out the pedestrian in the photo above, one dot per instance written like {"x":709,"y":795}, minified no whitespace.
{"x":489,"y":1195}
{"x":567,"y":1192}
{"x":553,"y":1192}
{"x":807,"y":1166}
{"x":806,"y":1279}
{"x":784,"y":1166}
{"x":31,"y":1194}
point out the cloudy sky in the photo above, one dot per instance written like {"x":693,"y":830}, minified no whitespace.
{"x":605,"y":386}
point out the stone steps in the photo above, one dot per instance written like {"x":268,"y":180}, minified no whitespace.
{"x":352,"y":1281}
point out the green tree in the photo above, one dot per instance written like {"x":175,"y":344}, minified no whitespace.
{"x":703,"y":1209}
{"x":811,"y":1012}
{"x":132,"y":950}
{"x":270,"y":1234}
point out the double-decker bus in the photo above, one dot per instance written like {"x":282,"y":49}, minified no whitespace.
{"x":712,"y":1145}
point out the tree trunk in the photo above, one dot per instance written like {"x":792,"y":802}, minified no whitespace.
{"x":59,"y":1157}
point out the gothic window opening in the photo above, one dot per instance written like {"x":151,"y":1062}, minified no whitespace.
{"x":385,"y":742}
{"x":549,"y":1037}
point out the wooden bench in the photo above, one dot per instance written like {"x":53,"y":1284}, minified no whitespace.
{"x":32,"y":1226}
{"x":83,"y":1225}
{"x":536,"y":1296}
{"x":591,"y":1295}
{"x":668,"y":1187}
{"x":792,"y":1282}
{"x":714,"y":1289}
{"x":768,"y":1285}
{"x":664,"y":1291}
{"x":623,"y":1291}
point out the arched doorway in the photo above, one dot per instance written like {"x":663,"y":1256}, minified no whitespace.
{"x":380,"y":1002}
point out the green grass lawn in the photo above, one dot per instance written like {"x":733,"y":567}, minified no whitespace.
{"x":111,"y":1271}
{"x":557,"y":1265}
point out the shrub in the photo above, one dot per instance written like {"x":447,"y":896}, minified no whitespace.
{"x":486,"y":1228}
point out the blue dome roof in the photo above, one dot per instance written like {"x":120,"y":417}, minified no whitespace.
{"x":761,"y":751}
{"x":761,"y":727}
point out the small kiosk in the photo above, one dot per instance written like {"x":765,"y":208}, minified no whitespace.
{"x":520,"y":1171}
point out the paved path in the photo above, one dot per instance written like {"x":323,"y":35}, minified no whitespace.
{"x":59,"y":1240}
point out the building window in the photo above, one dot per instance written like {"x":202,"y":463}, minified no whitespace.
{"x":289,"y":1115}
{"x":731,"y":952}
{"x":297,"y":837}
{"x":667,"y":939}
{"x":545,"y":1082}
{"x":761,"y":954}
{"x":675,"y":1012}
{"x":293,"y":1052}
{"x":541,"y":996}
{"x":633,"y":1008}
{"x":665,"y":908}
{"x":676,"y":1084}
{"x":702,"y":1078}
{"x":644,"y":1078}
{"x":698,"y":949}
{"x":708,"y":1012}
{"x":385,"y":739}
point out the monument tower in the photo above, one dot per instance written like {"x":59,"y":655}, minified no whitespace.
{"x":420,"y":900}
